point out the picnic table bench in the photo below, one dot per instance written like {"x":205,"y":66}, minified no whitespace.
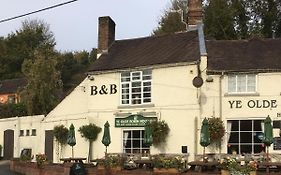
{"x":269,"y":166}
{"x":74,"y":159}
{"x":144,"y":163}
{"x":203,"y":165}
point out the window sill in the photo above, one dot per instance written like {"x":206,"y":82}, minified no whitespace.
{"x":241,"y":94}
{"x":135,"y":106}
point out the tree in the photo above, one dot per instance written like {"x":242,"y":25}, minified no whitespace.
{"x":43,"y":87}
{"x":219,"y":20}
{"x":230,"y":19}
{"x":20,"y":45}
{"x":173,"y":19}
{"x":90,"y":132}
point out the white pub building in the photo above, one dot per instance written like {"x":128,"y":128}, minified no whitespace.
{"x":180,"y":78}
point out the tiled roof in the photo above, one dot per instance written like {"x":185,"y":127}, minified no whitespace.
{"x":12,"y":85}
{"x":156,"y":50}
{"x":244,"y":55}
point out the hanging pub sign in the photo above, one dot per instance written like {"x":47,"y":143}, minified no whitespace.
{"x":136,"y":120}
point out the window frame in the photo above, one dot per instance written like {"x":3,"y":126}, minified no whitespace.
{"x":142,"y":149}
{"x":136,"y":87}
{"x":246,"y":84}
{"x":244,"y":131}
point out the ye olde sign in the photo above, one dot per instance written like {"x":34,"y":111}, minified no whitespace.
{"x":253,"y":104}
{"x":133,"y":121}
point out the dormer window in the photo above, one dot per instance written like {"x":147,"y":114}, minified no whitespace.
{"x":136,"y":87}
{"x":242,"y":83}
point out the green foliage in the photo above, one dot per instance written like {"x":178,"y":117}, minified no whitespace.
{"x":60,"y":134}
{"x":160,"y":131}
{"x":12,"y":110}
{"x":90,"y":132}
{"x":40,"y":94}
{"x":171,"y":22}
{"x":30,"y":52}
{"x":20,"y":45}
{"x":219,"y":20}
{"x":111,"y":160}
{"x":26,"y":158}
{"x":229,"y":19}
{"x":40,"y":159}
{"x":165,"y":161}
{"x":217,"y":130}
{"x":235,"y":167}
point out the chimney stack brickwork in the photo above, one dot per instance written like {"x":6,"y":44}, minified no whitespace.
{"x":106,"y":33}
{"x":195,"y":12}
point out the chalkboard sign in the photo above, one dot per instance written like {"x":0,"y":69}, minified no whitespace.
{"x":77,"y":169}
{"x":277,"y":143}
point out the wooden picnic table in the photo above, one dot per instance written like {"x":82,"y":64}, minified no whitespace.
{"x":74,"y":159}
{"x":144,"y":163}
{"x":203,"y":165}
{"x":269,"y":166}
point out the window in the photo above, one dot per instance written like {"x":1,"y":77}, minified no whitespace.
{"x":33,"y":132}
{"x":243,"y":83}
{"x":133,"y":142}
{"x":136,"y":87}
{"x":27,"y":132}
{"x":21,"y":132}
{"x":245,"y":136}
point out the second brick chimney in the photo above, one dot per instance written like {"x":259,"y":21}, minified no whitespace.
{"x":106,"y":34}
{"x":195,"y":12}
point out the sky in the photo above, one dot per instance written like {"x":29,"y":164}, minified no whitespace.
{"x":75,"y":25}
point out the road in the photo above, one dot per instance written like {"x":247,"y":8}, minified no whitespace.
{"x":5,"y":168}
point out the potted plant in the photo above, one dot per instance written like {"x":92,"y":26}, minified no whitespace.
{"x":40,"y":159}
{"x":90,"y":132}
{"x":160,"y":131}
{"x":112,"y":162}
{"x":230,"y":166}
{"x":168,"y":163}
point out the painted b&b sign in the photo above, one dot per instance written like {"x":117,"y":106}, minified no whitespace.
{"x":104,"y":89}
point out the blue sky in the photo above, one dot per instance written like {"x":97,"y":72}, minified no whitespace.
{"x":75,"y":25}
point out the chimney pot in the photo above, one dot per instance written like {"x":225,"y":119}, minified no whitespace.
{"x":106,"y":33}
{"x":195,"y":12}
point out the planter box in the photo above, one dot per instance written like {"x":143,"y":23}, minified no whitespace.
{"x":226,"y":172}
{"x":164,"y":170}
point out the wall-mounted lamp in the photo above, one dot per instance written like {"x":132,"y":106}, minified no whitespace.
{"x":209,"y":79}
{"x":91,"y":77}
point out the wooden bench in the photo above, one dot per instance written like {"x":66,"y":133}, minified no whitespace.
{"x":269,"y":166}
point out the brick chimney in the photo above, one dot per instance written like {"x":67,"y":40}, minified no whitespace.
{"x":195,"y":12}
{"x":106,"y":34}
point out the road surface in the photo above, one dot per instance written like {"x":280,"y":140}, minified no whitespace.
{"x":5,"y":168}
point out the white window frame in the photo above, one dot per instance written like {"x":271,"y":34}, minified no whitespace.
{"x":127,"y":86}
{"x":240,"y":130}
{"x":142,"y":149}
{"x":245,"y":84}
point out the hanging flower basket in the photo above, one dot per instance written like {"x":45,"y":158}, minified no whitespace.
{"x":217,"y":130}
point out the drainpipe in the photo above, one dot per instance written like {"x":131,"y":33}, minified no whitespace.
{"x":220,"y":102}
{"x":220,"y":95}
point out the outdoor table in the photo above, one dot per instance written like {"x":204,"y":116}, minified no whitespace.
{"x":202,"y":165}
{"x":269,"y":165}
{"x":75,"y":159}
{"x":142,"y":162}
